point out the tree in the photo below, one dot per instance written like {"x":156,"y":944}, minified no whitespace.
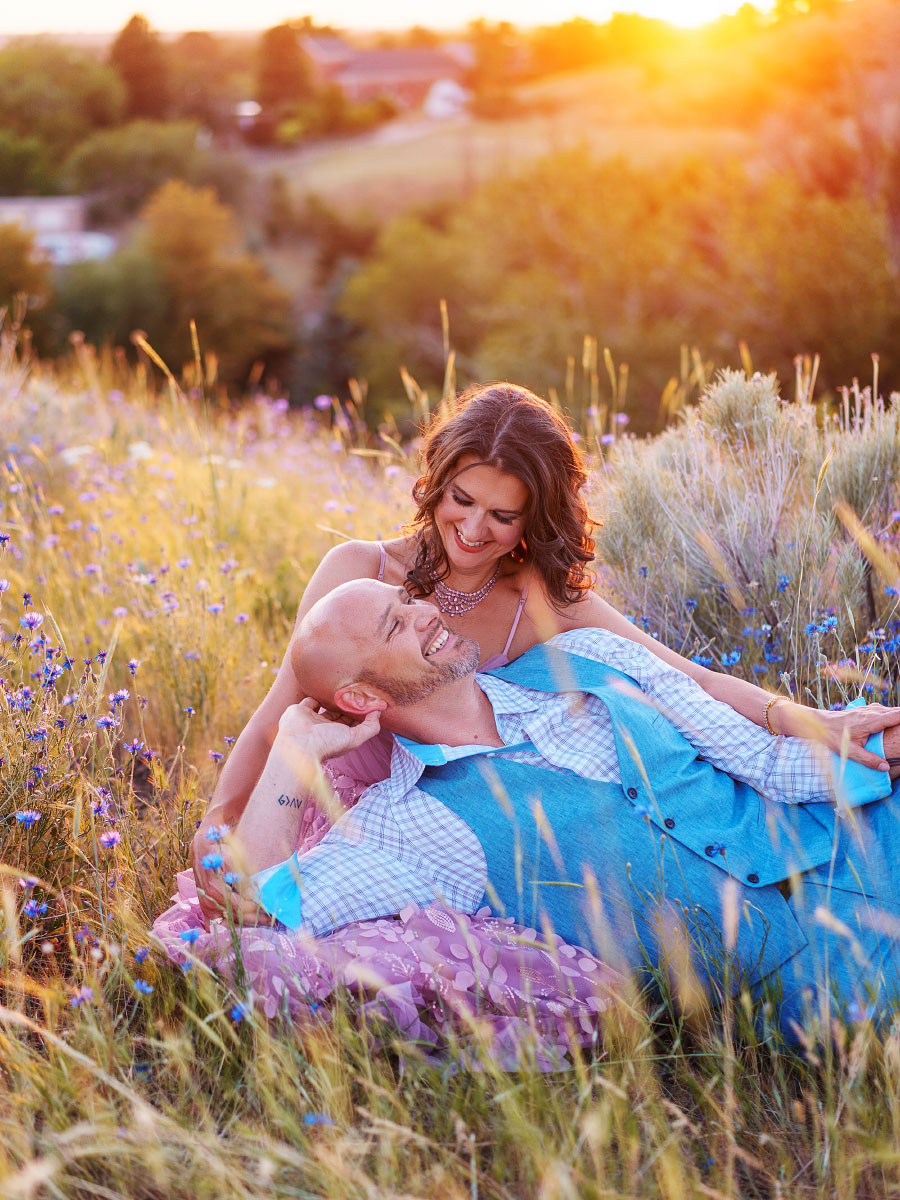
{"x":200,"y":77}
{"x":57,"y":94}
{"x":284,"y":72}
{"x":123,"y":167}
{"x":25,"y":168}
{"x":24,"y":271}
{"x":241,"y":313}
{"x":139,"y":57}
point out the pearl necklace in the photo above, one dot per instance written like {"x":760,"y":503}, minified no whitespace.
{"x":456,"y":603}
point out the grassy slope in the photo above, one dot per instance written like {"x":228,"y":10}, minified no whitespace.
{"x":619,"y":110}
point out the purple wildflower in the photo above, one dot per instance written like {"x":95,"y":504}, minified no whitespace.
{"x":27,"y":817}
{"x":111,"y":838}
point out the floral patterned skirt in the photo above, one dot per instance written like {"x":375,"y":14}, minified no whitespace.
{"x":485,"y":983}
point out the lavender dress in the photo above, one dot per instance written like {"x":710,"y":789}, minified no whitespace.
{"x":427,"y":971}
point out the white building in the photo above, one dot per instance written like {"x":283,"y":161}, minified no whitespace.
{"x":58,"y":224}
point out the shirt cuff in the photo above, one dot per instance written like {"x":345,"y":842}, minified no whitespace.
{"x":278,"y":892}
{"x":855,"y":784}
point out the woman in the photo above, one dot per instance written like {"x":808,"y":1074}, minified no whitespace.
{"x":501,"y":542}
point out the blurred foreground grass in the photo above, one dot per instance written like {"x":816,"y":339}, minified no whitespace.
{"x":153,"y":555}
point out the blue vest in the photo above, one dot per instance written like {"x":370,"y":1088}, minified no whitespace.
{"x":677,"y":862}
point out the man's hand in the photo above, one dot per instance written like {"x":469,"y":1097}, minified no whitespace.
{"x":210,"y":888}
{"x":311,"y":731}
{"x":831,"y":728}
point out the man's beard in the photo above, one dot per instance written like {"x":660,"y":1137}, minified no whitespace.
{"x":463,"y":663}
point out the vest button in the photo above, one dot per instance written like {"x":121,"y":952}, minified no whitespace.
{"x":669,"y":822}
{"x":709,"y":851}
{"x":631,"y":793}
{"x":753,"y":877}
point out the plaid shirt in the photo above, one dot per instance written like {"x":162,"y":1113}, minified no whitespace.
{"x":399,"y":845}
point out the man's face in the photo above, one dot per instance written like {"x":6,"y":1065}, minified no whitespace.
{"x":410,"y":653}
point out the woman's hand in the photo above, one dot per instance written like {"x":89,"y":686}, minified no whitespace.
{"x":842,"y":732}
{"x":311,"y":730}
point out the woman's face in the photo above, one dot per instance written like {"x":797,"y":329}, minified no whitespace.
{"x":481,"y":515}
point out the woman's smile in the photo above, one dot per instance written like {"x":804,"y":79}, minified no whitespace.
{"x":481,"y":513}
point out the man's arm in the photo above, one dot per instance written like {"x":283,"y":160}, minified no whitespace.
{"x":266,"y":832}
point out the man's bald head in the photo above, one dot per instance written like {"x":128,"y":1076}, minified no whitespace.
{"x":376,"y":642}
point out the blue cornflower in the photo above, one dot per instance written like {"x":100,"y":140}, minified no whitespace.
{"x":642,"y":809}
{"x":26,"y":599}
{"x":190,"y":710}
{"x":142,"y":954}
{"x":31,"y":620}
{"x":111,"y":838}
{"x":643,"y":572}
{"x":31,"y":908}
{"x":133,"y":664}
{"x":239,"y":1012}
{"x":891,"y":591}
{"x":732,"y":657}
{"x":827,"y":624}
{"x":4,"y":585}
{"x":229,"y":741}
{"x":27,"y":817}
{"x":690,"y":604}
{"x":215,"y":608}
{"x":38,"y":734}
{"x":189,"y":935}
{"x":317,"y":1119}
{"x":212,"y":862}
{"x":232,"y":878}
{"x":783,"y":583}
{"x":759,"y":669}
{"x":216,"y":833}
{"x":811,"y":628}
{"x":82,"y":996}
{"x":142,"y":986}
{"x":119,"y":697}
{"x":134,"y":747}
{"x":4,"y":538}
{"x":216,"y":755}
{"x":107,"y":722}
{"x":860,"y":1012}
{"x":701,"y":660}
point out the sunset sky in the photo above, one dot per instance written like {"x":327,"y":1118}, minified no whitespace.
{"x":58,"y":16}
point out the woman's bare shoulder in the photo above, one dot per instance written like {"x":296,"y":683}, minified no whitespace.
{"x":355,"y":559}
{"x":346,"y":561}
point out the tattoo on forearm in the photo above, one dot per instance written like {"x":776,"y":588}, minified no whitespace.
{"x":290,"y":801}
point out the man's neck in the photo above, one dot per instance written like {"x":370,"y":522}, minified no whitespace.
{"x":459,"y":714}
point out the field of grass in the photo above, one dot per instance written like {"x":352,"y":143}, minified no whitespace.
{"x":153,"y":553}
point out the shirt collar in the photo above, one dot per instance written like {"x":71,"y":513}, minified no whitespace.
{"x":505,"y":697}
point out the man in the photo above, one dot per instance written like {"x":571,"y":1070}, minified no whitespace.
{"x":587,"y":787}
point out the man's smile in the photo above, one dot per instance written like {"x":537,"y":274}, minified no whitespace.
{"x":437,"y":643}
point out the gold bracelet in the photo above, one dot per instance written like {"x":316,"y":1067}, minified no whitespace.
{"x":769,"y":704}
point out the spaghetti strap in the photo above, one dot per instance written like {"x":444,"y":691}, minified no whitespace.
{"x":515,"y":624}
{"x":380,"y":575}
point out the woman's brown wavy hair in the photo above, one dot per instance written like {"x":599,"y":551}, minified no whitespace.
{"x":510,"y":428}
